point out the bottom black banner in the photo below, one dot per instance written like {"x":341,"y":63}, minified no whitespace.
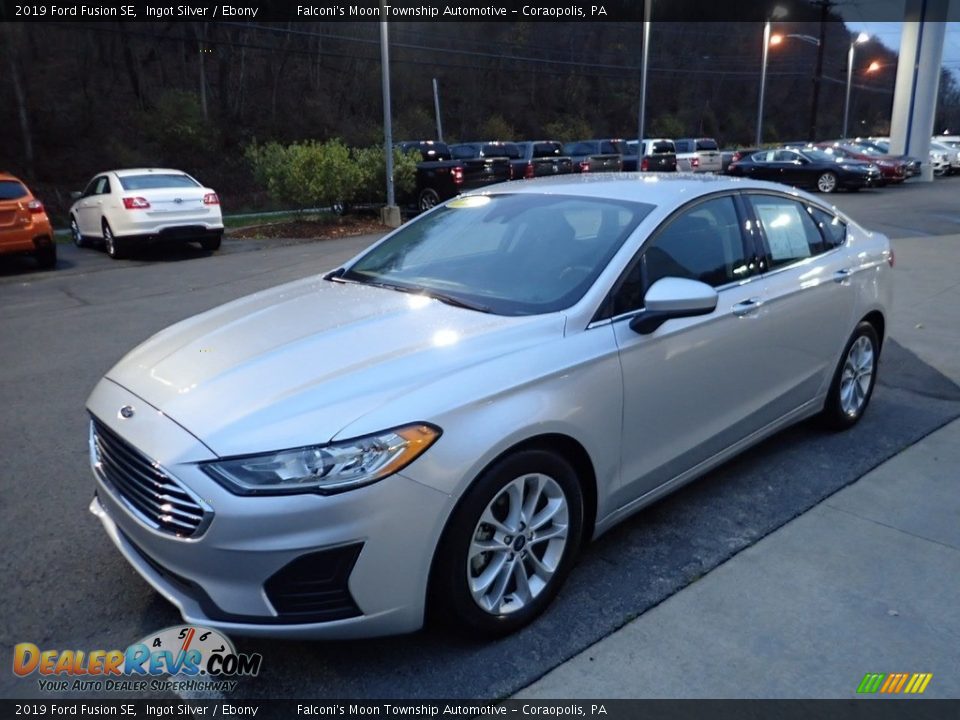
{"x":859,"y":709}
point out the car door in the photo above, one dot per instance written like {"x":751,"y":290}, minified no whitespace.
{"x":808,"y":296}
{"x":89,"y":207}
{"x":687,"y":386}
{"x":761,"y":166}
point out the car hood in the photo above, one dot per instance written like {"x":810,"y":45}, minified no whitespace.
{"x":292,"y":365}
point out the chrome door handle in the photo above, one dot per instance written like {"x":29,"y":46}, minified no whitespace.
{"x":747,"y":307}
{"x":842,"y":275}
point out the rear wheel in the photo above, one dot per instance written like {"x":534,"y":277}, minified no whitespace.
{"x":112,"y":245}
{"x":827,"y":182}
{"x":510,"y":544}
{"x":211,"y":244}
{"x":853,"y":380}
{"x":47,"y":256}
{"x":428,"y":199}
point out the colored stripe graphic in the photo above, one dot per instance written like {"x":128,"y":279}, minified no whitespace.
{"x":894,"y":683}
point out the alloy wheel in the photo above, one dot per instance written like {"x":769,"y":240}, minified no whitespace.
{"x":518,"y":544}
{"x":857,"y":375}
{"x":827,"y":183}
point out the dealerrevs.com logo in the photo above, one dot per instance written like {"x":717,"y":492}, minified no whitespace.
{"x":183,"y":657}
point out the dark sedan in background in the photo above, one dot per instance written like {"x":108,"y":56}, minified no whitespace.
{"x":595,"y":155}
{"x":807,"y":168}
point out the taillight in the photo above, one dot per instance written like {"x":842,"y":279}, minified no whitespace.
{"x":35,"y":206}
{"x":211,"y":199}
{"x":528,"y":171}
{"x":645,"y":164}
{"x":511,"y":172}
{"x":890,"y":258}
{"x":457,"y":173}
{"x":694,"y":163}
{"x":736,"y":156}
{"x":584,"y":166}
{"x":135,"y":203}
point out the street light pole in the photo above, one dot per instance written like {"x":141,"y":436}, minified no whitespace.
{"x":861,"y":38}
{"x":763,"y":82}
{"x":645,"y":57}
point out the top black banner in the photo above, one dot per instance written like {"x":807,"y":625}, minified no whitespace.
{"x":477,"y":10}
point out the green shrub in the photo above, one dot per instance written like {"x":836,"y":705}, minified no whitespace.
{"x":311,"y":174}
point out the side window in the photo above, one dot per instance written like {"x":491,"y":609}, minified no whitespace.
{"x":99,"y":184}
{"x":104,"y":188}
{"x":785,"y":156}
{"x":703,"y":243}
{"x":91,"y":188}
{"x":834,"y":230}
{"x":791,"y":233}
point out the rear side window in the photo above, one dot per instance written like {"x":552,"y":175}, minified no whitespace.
{"x":791,"y":233}
{"x":463,"y":152}
{"x":508,"y":150}
{"x":663,"y":148}
{"x":546,"y":150}
{"x":155,"y":181}
{"x":833,"y":229}
{"x":12,"y":190}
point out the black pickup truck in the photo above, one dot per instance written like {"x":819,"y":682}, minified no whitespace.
{"x":595,"y":155}
{"x":541,"y":157}
{"x":441,"y":177}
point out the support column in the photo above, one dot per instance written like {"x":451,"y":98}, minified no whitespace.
{"x":918,"y":79}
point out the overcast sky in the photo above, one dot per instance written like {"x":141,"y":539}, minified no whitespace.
{"x":889,"y":35}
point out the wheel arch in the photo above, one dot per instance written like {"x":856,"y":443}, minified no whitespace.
{"x":567,"y":447}
{"x":876,"y":318}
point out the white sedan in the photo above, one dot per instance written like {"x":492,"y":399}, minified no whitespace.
{"x":444,"y":420}
{"x":128,"y":209}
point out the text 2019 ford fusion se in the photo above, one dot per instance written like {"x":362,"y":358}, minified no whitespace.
{"x":444,"y":420}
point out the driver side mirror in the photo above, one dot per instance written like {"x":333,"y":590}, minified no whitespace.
{"x":76,"y":195}
{"x":673,"y":297}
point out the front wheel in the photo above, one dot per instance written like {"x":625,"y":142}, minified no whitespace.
{"x":853,"y":380}
{"x":510,"y":544}
{"x":827,"y":182}
{"x":78,"y":239}
{"x":428,"y":199}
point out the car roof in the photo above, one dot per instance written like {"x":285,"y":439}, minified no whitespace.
{"x":657,"y":188}
{"x":143,"y":171}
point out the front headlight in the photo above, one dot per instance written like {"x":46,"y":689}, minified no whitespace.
{"x":324,"y":469}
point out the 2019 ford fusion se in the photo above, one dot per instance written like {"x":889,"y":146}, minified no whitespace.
{"x":445,"y":419}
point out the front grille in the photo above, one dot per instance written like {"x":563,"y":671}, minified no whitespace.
{"x":143,"y":486}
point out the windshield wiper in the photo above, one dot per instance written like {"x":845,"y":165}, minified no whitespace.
{"x":412,"y":290}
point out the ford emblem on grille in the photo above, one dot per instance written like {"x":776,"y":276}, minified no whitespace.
{"x":126,"y":412}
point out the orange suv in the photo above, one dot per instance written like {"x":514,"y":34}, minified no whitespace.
{"x":24,"y":226}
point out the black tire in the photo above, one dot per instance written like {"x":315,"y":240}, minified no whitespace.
{"x":836,"y":415}
{"x":47,"y":256}
{"x":78,"y":239}
{"x":113,"y":246}
{"x":211,"y":244}
{"x":451,"y":597}
{"x":427,"y":199}
{"x":827,"y":182}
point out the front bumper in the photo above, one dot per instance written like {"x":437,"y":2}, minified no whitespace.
{"x":369,"y":549}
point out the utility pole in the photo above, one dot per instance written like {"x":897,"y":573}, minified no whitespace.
{"x":436,"y":108}
{"x":390,"y":215}
{"x":825,"y":6}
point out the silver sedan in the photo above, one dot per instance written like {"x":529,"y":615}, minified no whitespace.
{"x":442,"y":422}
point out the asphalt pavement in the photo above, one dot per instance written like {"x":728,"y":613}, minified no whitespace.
{"x":66,"y":586}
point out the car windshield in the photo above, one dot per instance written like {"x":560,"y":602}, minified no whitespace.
{"x":664,"y":147}
{"x":866,"y":149}
{"x":11,"y":190}
{"x":546,"y":149}
{"x":707,"y":145}
{"x":157,"y":180}
{"x":508,"y":254}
